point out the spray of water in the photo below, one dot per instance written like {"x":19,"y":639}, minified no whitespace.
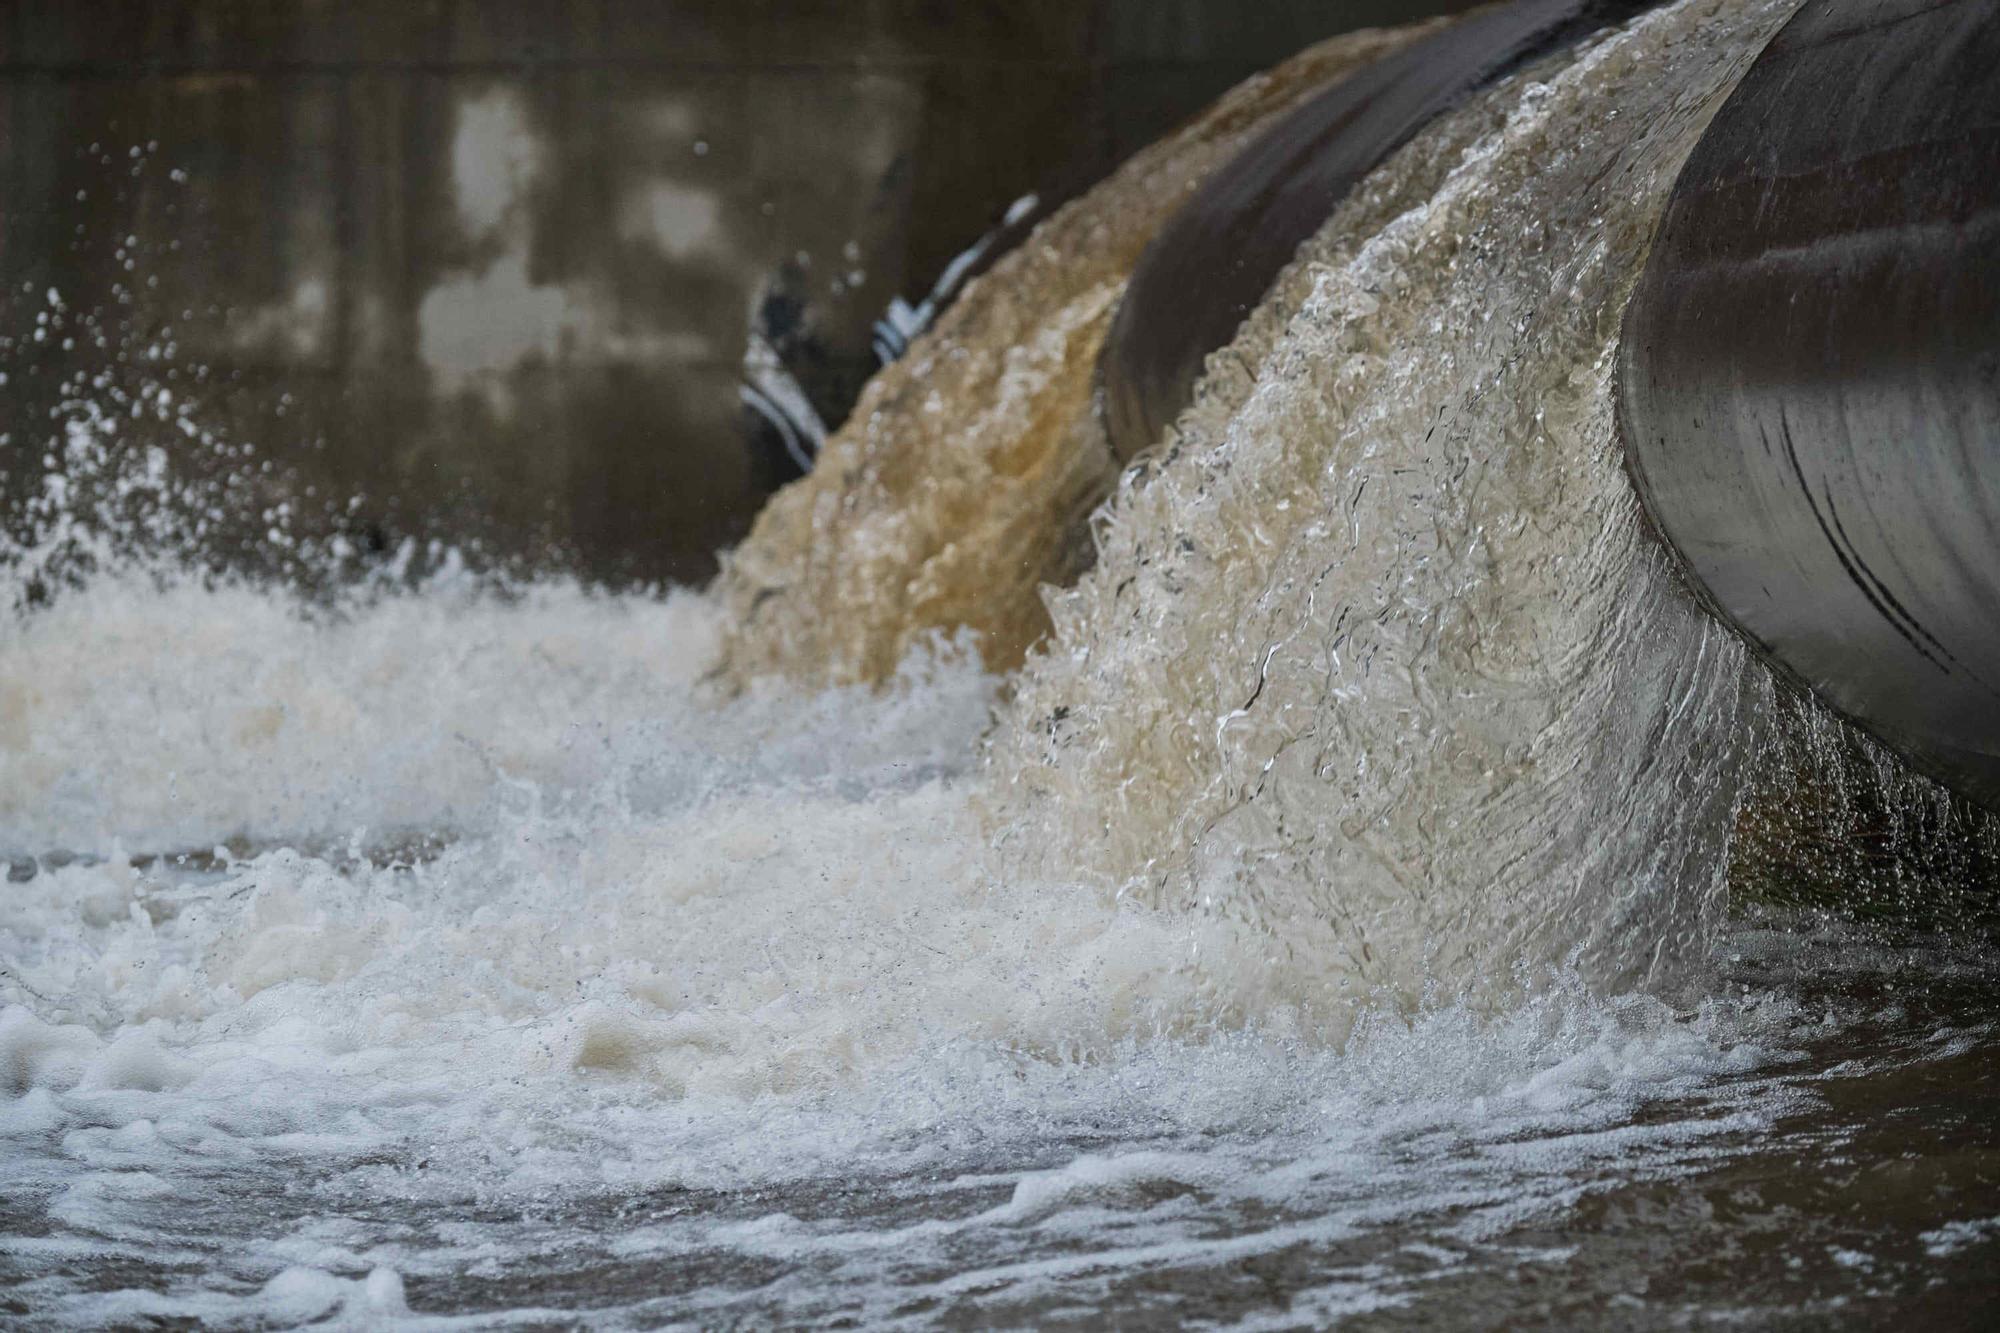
{"x":1377,"y":691}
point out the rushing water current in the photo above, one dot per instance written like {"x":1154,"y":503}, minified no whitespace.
{"x":1329,"y":921}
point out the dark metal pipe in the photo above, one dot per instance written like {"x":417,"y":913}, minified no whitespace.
{"x":1211,"y":265}
{"x":1810,"y":374}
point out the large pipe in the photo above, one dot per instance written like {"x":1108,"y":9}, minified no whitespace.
{"x":1810,"y":382}
{"x":1211,"y":265}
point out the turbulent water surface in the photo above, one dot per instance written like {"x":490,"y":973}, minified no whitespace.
{"x":1329,"y":921}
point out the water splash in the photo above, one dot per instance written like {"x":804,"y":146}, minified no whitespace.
{"x":407,"y":941}
{"x":1378,"y":692}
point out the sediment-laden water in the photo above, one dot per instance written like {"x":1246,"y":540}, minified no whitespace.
{"x":1329,"y":920}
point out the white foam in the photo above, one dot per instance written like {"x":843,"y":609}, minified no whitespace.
{"x":673,"y":945}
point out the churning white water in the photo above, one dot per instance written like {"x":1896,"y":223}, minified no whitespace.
{"x":1330,"y":911}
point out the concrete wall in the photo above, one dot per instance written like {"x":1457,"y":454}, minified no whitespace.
{"x":491,"y":266}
